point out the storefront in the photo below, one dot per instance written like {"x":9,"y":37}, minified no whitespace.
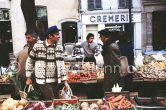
{"x":114,"y":21}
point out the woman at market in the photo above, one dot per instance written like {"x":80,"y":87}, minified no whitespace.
{"x":111,"y":55}
{"x":46,"y":59}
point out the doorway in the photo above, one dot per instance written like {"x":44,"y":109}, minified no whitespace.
{"x":158,"y":30}
{"x":69,"y":32}
{"x":6,"y":45}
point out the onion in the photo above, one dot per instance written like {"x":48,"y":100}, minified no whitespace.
{"x":3,"y":107}
{"x":100,"y":102}
{"x":93,"y":106}
{"x":84,"y":104}
{"x":9,"y":99}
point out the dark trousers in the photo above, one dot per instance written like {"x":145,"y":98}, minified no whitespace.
{"x":50,"y":91}
{"x":90,"y":59}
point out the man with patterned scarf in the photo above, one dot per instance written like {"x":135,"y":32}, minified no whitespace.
{"x":46,"y":59}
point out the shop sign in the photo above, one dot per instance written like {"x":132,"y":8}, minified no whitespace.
{"x":109,"y":18}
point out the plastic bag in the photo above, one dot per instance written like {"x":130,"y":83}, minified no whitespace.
{"x":99,"y":60}
{"x":139,"y":60}
{"x":23,"y":94}
{"x":66,"y":93}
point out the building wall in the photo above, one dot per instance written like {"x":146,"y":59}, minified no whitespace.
{"x":110,"y":7}
{"x":59,"y":10}
{"x":149,"y":6}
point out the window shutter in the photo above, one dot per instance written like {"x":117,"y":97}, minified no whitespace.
{"x":98,"y":4}
{"x":90,"y":4}
{"x":124,"y":4}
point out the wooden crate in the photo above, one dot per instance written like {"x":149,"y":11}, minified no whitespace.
{"x":91,"y":101}
{"x":124,"y":93}
{"x":66,"y":102}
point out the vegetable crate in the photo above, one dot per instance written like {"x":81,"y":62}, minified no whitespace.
{"x":66,"y":104}
{"x":80,"y":71}
{"x":124,"y":93}
{"x":39,"y":105}
{"x":93,"y":104}
{"x":147,"y":103}
{"x":118,"y":100}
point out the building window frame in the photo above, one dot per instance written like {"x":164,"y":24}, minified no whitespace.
{"x":42,"y":20}
{"x":124,"y":4}
{"x":94,"y":5}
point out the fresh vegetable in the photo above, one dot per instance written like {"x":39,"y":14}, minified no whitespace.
{"x":11,"y":104}
{"x":119,"y":102}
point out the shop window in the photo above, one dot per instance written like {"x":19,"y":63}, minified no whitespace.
{"x":42,"y":21}
{"x":4,"y":14}
{"x":123,"y":4}
{"x":94,"y":5}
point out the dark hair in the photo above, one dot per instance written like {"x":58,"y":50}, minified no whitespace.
{"x":89,"y":35}
{"x":105,"y":32}
{"x":114,"y":35}
{"x":32,"y":33}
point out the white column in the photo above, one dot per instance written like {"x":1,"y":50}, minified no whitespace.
{"x":84,"y":33}
{"x":137,"y":38}
{"x":18,"y":26}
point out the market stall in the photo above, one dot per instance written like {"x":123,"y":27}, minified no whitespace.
{"x":150,"y":75}
{"x":85,"y":78}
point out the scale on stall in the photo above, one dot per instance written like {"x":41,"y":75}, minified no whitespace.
{"x":73,"y":52}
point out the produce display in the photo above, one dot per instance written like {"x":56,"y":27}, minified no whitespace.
{"x":151,"y":69}
{"x":5,"y":78}
{"x":78,"y":72}
{"x":93,"y":104}
{"x":40,"y":105}
{"x":65,"y":104}
{"x":100,"y":73}
{"x":11,"y":104}
{"x":150,"y":102}
{"x":65,"y":107}
{"x":118,"y":102}
{"x":81,"y":76}
{"x":163,"y":102}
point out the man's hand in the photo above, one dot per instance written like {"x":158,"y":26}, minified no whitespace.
{"x":28,"y":81}
{"x":96,"y":54}
{"x":66,"y":84}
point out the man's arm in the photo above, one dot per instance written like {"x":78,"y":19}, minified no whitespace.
{"x":29,"y":70}
{"x":97,"y":50}
{"x":29,"y":66}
